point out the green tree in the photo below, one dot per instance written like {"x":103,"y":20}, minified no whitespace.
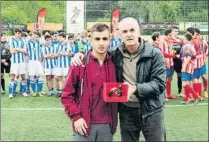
{"x":14,"y":15}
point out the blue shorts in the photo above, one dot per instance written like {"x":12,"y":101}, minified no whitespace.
{"x":170,"y":72}
{"x":203,"y":70}
{"x":196,"y":74}
{"x":186,"y":76}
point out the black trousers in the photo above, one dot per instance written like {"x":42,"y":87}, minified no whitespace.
{"x":131,"y":124}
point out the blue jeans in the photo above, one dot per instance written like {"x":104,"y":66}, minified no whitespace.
{"x":131,"y":124}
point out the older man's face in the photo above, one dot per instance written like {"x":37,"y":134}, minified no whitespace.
{"x":129,"y":33}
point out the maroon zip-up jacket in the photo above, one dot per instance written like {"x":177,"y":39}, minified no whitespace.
{"x":78,"y":91}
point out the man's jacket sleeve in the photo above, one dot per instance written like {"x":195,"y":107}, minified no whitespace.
{"x":156,"y":85}
{"x":69,"y":95}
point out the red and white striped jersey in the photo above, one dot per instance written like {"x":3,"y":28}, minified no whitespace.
{"x":199,"y":58}
{"x":188,"y":51}
{"x":167,"y":49}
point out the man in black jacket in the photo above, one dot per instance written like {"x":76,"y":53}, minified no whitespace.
{"x":141,"y":66}
{"x":5,"y":60}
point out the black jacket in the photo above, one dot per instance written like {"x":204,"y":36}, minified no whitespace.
{"x":5,"y":53}
{"x":151,"y":77}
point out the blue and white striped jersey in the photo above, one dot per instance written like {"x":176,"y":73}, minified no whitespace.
{"x":63,"y":61}
{"x":34,"y":50}
{"x":75,"y":48}
{"x":18,"y":57}
{"x":48,"y":63}
{"x":115,"y":42}
{"x":55,"y":44}
{"x":87,"y":48}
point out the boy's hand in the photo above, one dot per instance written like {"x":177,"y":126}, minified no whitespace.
{"x":80,"y":126}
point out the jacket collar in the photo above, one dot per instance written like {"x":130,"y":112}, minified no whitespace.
{"x":146,"y":52}
{"x":108,"y":57}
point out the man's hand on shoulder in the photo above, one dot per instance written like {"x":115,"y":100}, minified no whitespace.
{"x":77,"y":59}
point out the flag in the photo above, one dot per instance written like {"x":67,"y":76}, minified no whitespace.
{"x":115,"y":19}
{"x":41,"y":19}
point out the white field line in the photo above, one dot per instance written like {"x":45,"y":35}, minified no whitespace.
{"x":61,"y":109}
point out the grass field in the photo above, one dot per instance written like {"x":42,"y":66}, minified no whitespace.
{"x":42,"y":119}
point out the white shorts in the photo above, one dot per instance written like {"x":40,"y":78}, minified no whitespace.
{"x":35,"y":68}
{"x":18,"y":68}
{"x":61,"y":71}
{"x":49,"y":71}
{"x":26,"y":66}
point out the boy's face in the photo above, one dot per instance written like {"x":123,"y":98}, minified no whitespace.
{"x":61,"y":39}
{"x":48,"y":41}
{"x":100,"y":41}
{"x":18,"y":34}
{"x":54,"y":37}
{"x":34,"y":37}
{"x":71,"y":40}
{"x":84,"y":37}
{"x":175,"y":32}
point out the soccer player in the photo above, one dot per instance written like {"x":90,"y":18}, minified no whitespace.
{"x":35,"y":68}
{"x":71,"y":43}
{"x":49,"y":63}
{"x":156,"y":39}
{"x":199,"y":61}
{"x":203,"y":48}
{"x":18,"y":51}
{"x":167,"y":48}
{"x":188,"y":53}
{"x":92,"y":118}
{"x":55,"y":44}
{"x":176,"y":44}
{"x":203,"y":69}
{"x":83,"y":45}
{"x":55,"y":41}
{"x":25,"y":38}
{"x":116,"y":40}
{"x":5,"y":60}
{"x":63,"y":62}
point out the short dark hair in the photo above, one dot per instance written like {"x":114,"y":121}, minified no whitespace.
{"x":53,"y":33}
{"x":47,"y":36}
{"x":167,"y":32}
{"x":197,"y":30}
{"x":28,"y":31}
{"x":174,"y":27}
{"x":99,"y":28}
{"x":71,"y":35}
{"x":188,"y":36}
{"x":62,"y":35}
{"x":190,"y":30}
{"x":155,"y":35}
{"x":18,"y":31}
